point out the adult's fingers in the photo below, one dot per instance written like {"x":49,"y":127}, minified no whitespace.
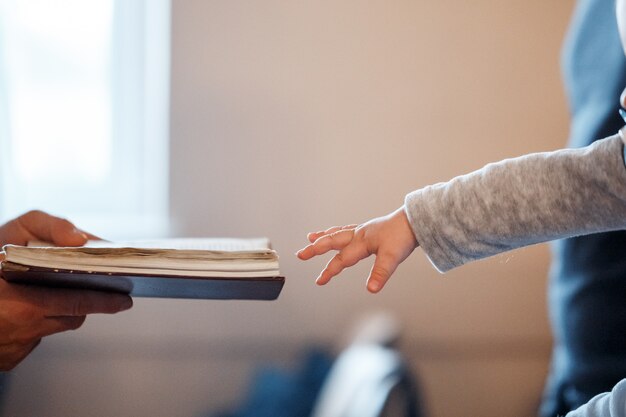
{"x":91,"y":236}
{"x":313,"y":236}
{"x":336,"y":240}
{"x":38,"y":225}
{"x":316,"y":235}
{"x":63,"y":302}
{"x":50,"y":302}
{"x":346,"y":258}
{"x":26,"y":333}
{"x":61,"y":324}
{"x":381,"y":271}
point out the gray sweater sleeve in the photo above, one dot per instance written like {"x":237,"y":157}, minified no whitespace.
{"x":519,"y":202}
{"x":609,"y":404}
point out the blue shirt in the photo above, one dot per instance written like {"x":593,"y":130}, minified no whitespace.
{"x":587,"y":290}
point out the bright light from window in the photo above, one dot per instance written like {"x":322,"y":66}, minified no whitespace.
{"x":83,"y":111}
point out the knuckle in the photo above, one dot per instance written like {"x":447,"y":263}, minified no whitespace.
{"x":348,"y":260}
{"x":351,"y":261}
{"x":31,"y":216}
{"x":380,"y":271}
{"x":340,"y":258}
{"x":31,"y":213}
{"x":78,"y":307}
{"x":334,"y":235}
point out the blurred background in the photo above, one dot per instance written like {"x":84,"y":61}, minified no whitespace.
{"x":274,"y":118}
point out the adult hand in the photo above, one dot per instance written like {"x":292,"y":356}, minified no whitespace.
{"x":29,"y":313}
{"x":37,"y":225}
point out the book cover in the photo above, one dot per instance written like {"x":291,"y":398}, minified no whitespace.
{"x":171,"y":268}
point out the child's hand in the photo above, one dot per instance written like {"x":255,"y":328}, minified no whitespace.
{"x":390,"y":238}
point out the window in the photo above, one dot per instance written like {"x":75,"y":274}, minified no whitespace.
{"x":84,"y":112}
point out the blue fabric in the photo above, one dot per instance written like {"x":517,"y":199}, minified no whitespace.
{"x":587,"y":293}
{"x":276,"y":392}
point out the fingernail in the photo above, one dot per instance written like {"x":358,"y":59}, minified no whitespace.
{"x":374,"y":286}
{"x":81,"y":233}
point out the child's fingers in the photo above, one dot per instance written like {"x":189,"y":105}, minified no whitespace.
{"x":312,"y":237}
{"x":316,"y":235}
{"x":383,"y":268}
{"x":347,"y":257}
{"x":336,"y":241}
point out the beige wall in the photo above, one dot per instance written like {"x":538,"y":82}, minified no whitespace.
{"x":289,"y":116}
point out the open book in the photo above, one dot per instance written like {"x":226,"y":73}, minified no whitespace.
{"x":173,"y":268}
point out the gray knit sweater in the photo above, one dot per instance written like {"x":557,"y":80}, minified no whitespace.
{"x":519,"y":202}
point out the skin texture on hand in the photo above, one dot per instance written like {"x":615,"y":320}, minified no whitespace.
{"x":37,"y":225}
{"x":390,"y":238}
{"x":29,"y":313}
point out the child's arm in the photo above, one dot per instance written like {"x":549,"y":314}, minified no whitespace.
{"x":522,"y":201}
{"x":507,"y":205}
{"x":608,"y":404}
